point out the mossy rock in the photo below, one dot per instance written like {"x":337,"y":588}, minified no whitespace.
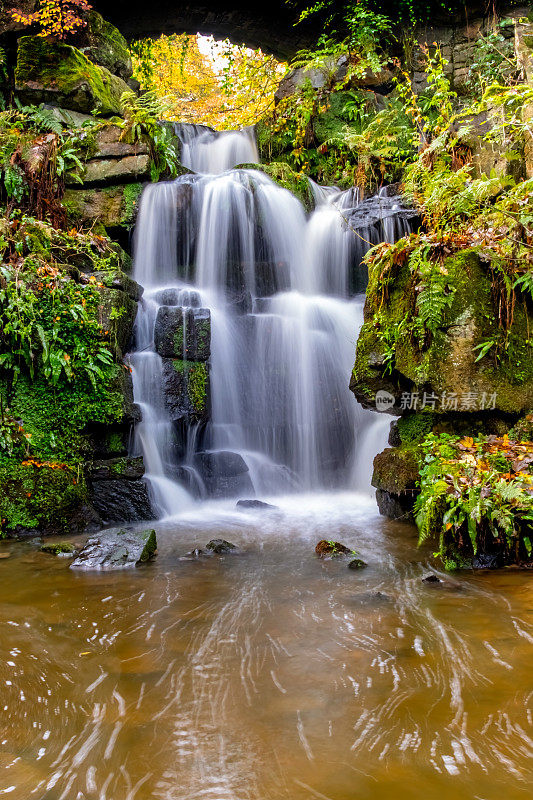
{"x":37,"y":496}
{"x":57,"y":73}
{"x":106,"y":46}
{"x":116,"y":314}
{"x":58,"y":548}
{"x":284,"y":176}
{"x":448,"y":365}
{"x":396,"y":470}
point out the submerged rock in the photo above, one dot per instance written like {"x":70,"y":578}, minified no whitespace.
{"x":432,"y":579}
{"x":58,"y":548}
{"x":219,"y":546}
{"x":254,"y":504}
{"x":487,"y":561}
{"x":116,"y":548}
{"x":357,"y":563}
{"x":371,"y":599}
{"x":330,"y":549}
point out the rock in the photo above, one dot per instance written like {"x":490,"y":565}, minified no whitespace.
{"x":224,"y":473}
{"x":110,"y":469}
{"x":395,"y":506}
{"x":119,"y":280}
{"x":446,"y":368}
{"x":330,"y":549}
{"x":220,"y":546}
{"x":116,"y":549}
{"x":121,"y":500}
{"x":282,"y":174}
{"x":130,"y":169}
{"x":183,"y":333}
{"x":357,"y":563}
{"x":371,"y":599}
{"x":259,"y":504}
{"x":487,"y":561}
{"x":59,"y":548}
{"x":57,"y":73}
{"x":186,"y":389}
{"x":116,"y":313}
{"x":113,"y":206}
{"x":189,"y":298}
{"x":334,"y":69}
{"x":432,"y":578}
{"x":105,"y":45}
{"x":109,"y":144}
{"x":194,"y":554}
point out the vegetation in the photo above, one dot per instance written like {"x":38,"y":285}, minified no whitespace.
{"x":55,"y":18}
{"x":476,"y":496}
{"x":227,"y":87}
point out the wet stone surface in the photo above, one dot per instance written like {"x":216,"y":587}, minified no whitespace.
{"x":116,"y":549}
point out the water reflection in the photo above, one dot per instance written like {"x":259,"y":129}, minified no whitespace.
{"x":267,"y":675}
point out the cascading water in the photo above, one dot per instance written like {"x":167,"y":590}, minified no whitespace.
{"x":279,"y":290}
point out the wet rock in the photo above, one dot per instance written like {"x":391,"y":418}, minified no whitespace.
{"x":254,"y":504}
{"x":357,"y":563}
{"x":371,"y":599}
{"x":220,"y":546}
{"x":432,"y":579}
{"x":186,"y":387}
{"x":58,"y":548}
{"x":178,"y":297}
{"x":329,"y":549}
{"x":183,"y":333}
{"x":121,"y":498}
{"x":116,"y":549}
{"x":487,"y":561}
{"x":114,"y":206}
{"x":224,"y":473}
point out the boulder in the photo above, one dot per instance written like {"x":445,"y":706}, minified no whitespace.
{"x":257,"y":504}
{"x":225,"y":474}
{"x":57,"y":73}
{"x":104,"y":44}
{"x":116,"y":313}
{"x":445,"y":370}
{"x":220,"y":546}
{"x":357,"y":563}
{"x":183,"y":333}
{"x":58,"y":549}
{"x":116,"y":549}
{"x":329,"y":549}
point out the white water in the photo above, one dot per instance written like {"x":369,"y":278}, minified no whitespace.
{"x":285,"y":322}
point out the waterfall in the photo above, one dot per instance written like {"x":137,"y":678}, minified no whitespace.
{"x":247,"y":328}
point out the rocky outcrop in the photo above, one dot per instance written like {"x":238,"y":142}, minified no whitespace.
{"x":446,"y":375}
{"x":54,"y":72}
{"x":116,"y":548}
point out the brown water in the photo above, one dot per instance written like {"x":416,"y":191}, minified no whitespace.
{"x":268,"y":675}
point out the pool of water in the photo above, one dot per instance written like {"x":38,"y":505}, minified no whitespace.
{"x":267,"y":674}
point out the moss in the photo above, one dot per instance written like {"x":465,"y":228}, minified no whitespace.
{"x":414,"y":427}
{"x":54,"y":72}
{"x":130,"y":201}
{"x":396,"y":470}
{"x":107,"y":46}
{"x":197,"y":376}
{"x":150,"y":545}
{"x":39,"y":496}
{"x":284,"y":176}
{"x":57,"y":548}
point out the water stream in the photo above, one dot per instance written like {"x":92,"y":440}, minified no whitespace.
{"x":281,"y":291}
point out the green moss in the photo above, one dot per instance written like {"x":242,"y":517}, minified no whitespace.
{"x":284,"y":176}
{"x":414,"y":427}
{"x":130,"y":201}
{"x":396,"y":470}
{"x":49,"y":71}
{"x":150,"y":545}
{"x":107,"y":46}
{"x":197,"y":377}
{"x":39,"y":496}
{"x":57,"y":548}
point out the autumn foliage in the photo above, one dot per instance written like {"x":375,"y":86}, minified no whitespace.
{"x":56,"y":18}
